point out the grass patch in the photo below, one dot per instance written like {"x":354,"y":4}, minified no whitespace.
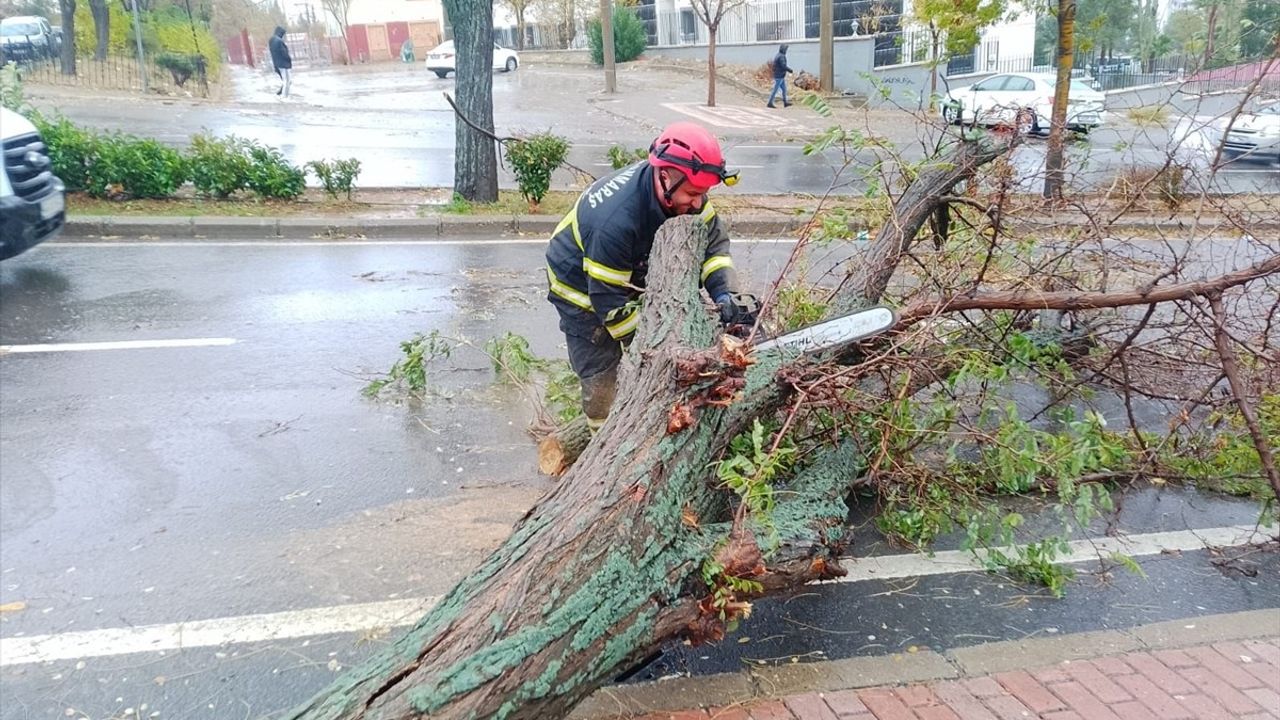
{"x":1154,"y":115}
{"x":510,"y":202}
{"x":82,"y":204}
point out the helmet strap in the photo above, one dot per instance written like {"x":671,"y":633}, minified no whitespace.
{"x":666,"y":191}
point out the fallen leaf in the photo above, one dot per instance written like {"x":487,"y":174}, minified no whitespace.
{"x":16,"y":606}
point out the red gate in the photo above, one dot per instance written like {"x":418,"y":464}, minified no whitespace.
{"x":397,"y":33}
{"x":357,"y":44}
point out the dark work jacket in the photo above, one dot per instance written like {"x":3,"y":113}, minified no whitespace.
{"x":780,"y":67}
{"x":599,"y":253}
{"x":279,"y":52}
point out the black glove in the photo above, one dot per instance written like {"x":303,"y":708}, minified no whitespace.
{"x":738,"y":309}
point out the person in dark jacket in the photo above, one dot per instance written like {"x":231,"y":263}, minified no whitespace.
{"x":599,"y":254}
{"x":281,"y":60}
{"x":780,"y":70}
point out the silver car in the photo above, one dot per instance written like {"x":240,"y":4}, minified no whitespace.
{"x":1256,"y":134}
{"x":1024,"y":100}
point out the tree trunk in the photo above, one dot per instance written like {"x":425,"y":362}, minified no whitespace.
{"x":68,"y":10}
{"x":101,"y":27}
{"x":711,"y":64}
{"x":520,"y":28}
{"x":559,"y":450}
{"x":1054,"y":160}
{"x":475,"y":167}
{"x":1211,"y":29}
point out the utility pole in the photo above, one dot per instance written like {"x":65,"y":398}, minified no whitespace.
{"x":137,"y":33}
{"x":826,"y":46}
{"x":606,"y":40}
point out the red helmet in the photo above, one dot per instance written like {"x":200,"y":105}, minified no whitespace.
{"x":694,"y":151}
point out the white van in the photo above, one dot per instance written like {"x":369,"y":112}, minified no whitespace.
{"x":32,"y":199}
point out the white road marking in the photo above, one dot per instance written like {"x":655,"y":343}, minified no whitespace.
{"x":956,"y":561}
{"x":735,"y":116}
{"x":397,"y":613}
{"x":117,"y":345}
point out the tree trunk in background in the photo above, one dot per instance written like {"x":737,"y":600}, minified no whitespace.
{"x":475,"y":166}
{"x":711,"y":65}
{"x":1211,"y":29}
{"x":1054,"y":160}
{"x":68,"y":10}
{"x":101,"y":27}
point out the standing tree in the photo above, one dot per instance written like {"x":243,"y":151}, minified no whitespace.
{"x":68,"y":10}
{"x":956,"y":26}
{"x":475,"y":165}
{"x":340,"y":10}
{"x":1054,"y":155}
{"x":101,"y":27}
{"x":711,"y":12}
{"x":519,"y":8}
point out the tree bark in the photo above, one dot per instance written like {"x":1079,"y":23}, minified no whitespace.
{"x":101,"y":27}
{"x":1054,"y":154}
{"x":475,"y":168}
{"x":711,"y":65}
{"x":68,"y":10}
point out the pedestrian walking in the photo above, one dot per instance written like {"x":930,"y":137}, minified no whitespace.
{"x":281,"y":60}
{"x":780,"y":70}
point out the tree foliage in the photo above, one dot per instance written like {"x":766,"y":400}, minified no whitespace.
{"x":629,"y":36}
{"x":958,"y":23}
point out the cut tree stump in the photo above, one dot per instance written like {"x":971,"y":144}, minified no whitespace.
{"x":560,"y":449}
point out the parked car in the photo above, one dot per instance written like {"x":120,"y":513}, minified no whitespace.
{"x":1024,"y":100}
{"x":441,"y":59}
{"x":1256,"y":134}
{"x":25,"y":38}
{"x":32,"y":198}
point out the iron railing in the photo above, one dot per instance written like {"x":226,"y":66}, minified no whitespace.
{"x":115,"y":72}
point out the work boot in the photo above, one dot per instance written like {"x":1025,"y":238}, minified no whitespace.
{"x":597,"y":396}
{"x":770,"y":105}
{"x":786,"y":104}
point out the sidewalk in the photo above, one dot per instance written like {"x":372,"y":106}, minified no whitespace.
{"x":1213,"y":667}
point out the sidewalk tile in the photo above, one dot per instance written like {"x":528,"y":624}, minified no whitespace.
{"x":735,"y":712}
{"x":1062,"y":715}
{"x":914,"y":695}
{"x":1031,"y":693}
{"x":958,"y":698}
{"x":1236,"y":652}
{"x":983,"y":687}
{"x":1088,"y":675}
{"x":1219,"y":665}
{"x":769,"y":710}
{"x":1156,"y":672}
{"x":1204,"y":708}
{"x":1175,"y":658}
{"x":885,"y":705}
{"x":1112,"y":665}
{"x":1050,"y":675}
{"x":1267,"y":673}
{"x":845,"y":703}
{"x":1261,"y":716}
{"x":1269,"y":700}
{"x":686,"y":715}
{"x":936,"y":712}
{"x":1160,"y":702}
{"x":1264,"y":650}
{"x":1083,"y":701}
{"x":1007,"y":707}
{"x":1133,"y":710}
{"x":1210,"y":684}
{"x":809,"y":706}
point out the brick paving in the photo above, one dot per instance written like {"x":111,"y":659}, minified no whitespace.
{"x":1228,"y":680}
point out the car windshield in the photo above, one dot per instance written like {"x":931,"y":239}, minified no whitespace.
{"x":1272,"y":109}
{"x":11,"y":29}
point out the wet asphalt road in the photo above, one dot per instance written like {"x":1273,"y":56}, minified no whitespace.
{"x":169,"y":485}
{"x":394,"y":118}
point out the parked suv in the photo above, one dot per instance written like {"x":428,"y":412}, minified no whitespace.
{"x":32,"y":198}
{"x":26,"y":37}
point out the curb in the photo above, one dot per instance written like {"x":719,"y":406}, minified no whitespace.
{"x":106,"y":227}
{"x":757,"y":683}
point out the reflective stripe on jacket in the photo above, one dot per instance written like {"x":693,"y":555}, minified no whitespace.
{"x":599,"y":253}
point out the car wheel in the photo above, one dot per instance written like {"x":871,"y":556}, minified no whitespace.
{"x":442,"y":74}
{"x":951,"y":114}
{"x":511,"y":64}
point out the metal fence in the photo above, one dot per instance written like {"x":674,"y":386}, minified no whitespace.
{"x":896,"y":48}
{"x":116,"y":72}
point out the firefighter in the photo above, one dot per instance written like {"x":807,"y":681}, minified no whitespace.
{"x":599,"y":254}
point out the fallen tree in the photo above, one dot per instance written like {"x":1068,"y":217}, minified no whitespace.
{"x":701,"y":493}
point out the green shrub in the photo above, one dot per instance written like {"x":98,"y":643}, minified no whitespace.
{"x":620,"y":157}
{"x":11,"y":95}
{"x":336,"y":176}
{"x":135,"y":167}
{"x":181,"y":66}
{"x":271,"y":176}
{"x":219,"y":166}
{"x":533,"y":160}
{"x":629,"y":36}
{"x":72,"y":150}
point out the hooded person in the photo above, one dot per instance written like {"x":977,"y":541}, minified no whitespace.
{"x":780,"y":70}
{"x":281,"y":60}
